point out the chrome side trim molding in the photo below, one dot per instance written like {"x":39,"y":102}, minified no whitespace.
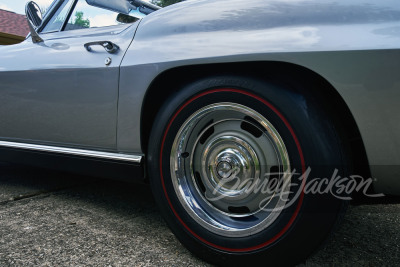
{"x":77,"y":152}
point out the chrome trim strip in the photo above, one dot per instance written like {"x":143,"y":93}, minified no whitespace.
{"x":77,"y":152}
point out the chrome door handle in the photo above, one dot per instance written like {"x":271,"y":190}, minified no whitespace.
{"x":110,"y":47}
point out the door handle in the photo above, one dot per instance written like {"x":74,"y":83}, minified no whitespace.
{"x":110,"y":47}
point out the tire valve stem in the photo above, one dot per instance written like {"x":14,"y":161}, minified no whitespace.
{"x":185,"y":155}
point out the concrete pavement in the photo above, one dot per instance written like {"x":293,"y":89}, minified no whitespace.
{"x":56,"y":219}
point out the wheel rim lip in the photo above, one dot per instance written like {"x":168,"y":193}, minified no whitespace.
{"x":200,"y":215}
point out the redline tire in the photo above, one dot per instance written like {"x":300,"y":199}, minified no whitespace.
{"x":236,"y":236}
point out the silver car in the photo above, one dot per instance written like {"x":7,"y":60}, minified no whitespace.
{"x":254,"y":121}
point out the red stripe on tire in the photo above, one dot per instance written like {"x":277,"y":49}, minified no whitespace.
{"x":277,"y":236}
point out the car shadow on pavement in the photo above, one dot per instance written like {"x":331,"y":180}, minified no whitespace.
{"x":54,"y":218}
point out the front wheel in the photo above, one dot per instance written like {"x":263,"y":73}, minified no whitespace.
{"x":228,"y":165}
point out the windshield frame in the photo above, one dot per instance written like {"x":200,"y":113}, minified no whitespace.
{"x":55,"y":5}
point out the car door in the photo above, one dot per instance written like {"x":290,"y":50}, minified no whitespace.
{"x":64,"y":91}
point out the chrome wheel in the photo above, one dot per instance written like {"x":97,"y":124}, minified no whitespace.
{"x":218,"y":163}
{"x":230,"y":169}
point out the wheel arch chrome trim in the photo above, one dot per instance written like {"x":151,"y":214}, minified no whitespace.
{"x":137,"y":159}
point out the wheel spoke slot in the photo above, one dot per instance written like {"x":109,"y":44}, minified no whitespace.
{"x":251,"y":218}
{"x":239,"y":210}
{"x":199,"y":182}
{"x":249,"y":125}
{"x":276,"y":172}
{"x":206,"y":135}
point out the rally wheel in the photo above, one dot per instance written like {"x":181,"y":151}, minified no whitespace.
{"x":229,"y":159}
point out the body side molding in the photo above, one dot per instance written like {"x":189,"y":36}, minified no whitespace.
{"x":137,"y":159}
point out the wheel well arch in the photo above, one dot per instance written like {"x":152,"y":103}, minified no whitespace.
{"x":175,"y":79}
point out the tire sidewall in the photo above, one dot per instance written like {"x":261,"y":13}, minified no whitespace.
{"x":296,"y":117}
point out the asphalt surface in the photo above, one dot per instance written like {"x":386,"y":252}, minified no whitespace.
{"x":56,"y":219}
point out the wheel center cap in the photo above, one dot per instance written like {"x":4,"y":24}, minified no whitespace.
{"x":224,"y":169}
